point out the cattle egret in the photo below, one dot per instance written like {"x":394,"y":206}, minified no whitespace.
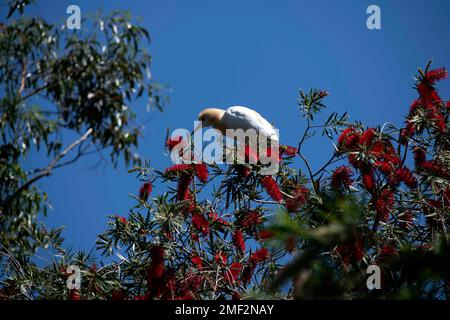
{"x":236,"y":117}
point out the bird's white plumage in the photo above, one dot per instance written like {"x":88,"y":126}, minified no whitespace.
{"x":238,"y":117}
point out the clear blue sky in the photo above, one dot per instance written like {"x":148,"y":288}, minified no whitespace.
{"x":256,"y":54}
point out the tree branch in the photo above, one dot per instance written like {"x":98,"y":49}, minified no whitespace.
{"x":47,"y":171}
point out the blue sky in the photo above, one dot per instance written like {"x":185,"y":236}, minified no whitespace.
{"x":257,"y":54}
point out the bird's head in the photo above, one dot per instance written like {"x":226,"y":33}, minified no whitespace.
{"x":211,"y":117}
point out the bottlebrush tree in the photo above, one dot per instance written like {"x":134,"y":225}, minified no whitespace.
{"x":226,"y":231}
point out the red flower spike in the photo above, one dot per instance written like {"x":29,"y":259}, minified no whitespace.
{"x":250,"y":155}
{"x":368,"y":181}
{"x":200,"y":223}
{"x":235,"y":296}
{"x":177,"y":168}
{"x":118,"y":295}
{"x":387,"y":251}
{"x":264,"y":235}
{"x":271,"y":186}
{"x":122,"y":220}
{"x":300,"y":197}
{"x":238,"y":240}
{"x":74,"y":295}
{"x":383,"y":205}
{"x":233,"y":273}
{"x":145,"y":191}
{"x":247,"y":273}
{"x":288,"y":151}
{"x":405,"y":175}
{"x":221,"y":258}
{"x":197,"y":261}
{"x":259,"y":256}
{"x":249,"y":219}
{"x":341,"y":178}
{"x":351,"y":252}
{"x":419,"y":156}
{"x":183,"y":192}
{"x":242,"y":170}
{"x":436,"y":75}
{"x":348,"y":138}
{"x":201,"y":171}
{"x":172,"y":143}
{"x":367,"y":137}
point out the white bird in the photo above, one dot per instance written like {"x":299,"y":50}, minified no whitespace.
{"x":237,"y":117}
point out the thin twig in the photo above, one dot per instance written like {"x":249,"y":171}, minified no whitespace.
{"x":47,"y":171}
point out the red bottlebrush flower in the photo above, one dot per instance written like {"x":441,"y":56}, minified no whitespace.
{"x":434,"y":168}
{"x":367,"y":137}
{"x":271,"y":186}
{"x":221,"y":258}
{"x":291,"y":244}
{"x":407,"y":132}
{"x":183,"y":187}
{"x":145,"y":191}
{"x":200,"y":223}
{"x":288,"y":151}
{"x":235,"y":296}
{"x":414,"y":105}
{"x":384,"y":166}
{"x":405,"y":175}
{"x":436,"y":75}
{"x":438,"y":119}
{"x":238,"y":240}
{"x":387,"y":251}
{"x":299,"y":198}
{"x":348,"y":138}
{"x":249,"y":219}
{"x":214,"y":217}
{"x":155,"y":272}
{"x":179,"y":168}
{"x":195,"y":237}
{"x":118,"y":295}
{"x":250,"y":155}
{"x":383,"y":204}
{"x":406,"y":220}
{"x":201,"y":170}
{"x":74,"y":295}
{"x":259,"y":256}
{"x":191,"y":283}
{"x":368,"y":180}
{"x":233,"y":272}
{"x":425,"y":90}
{"x":419,"y":156}
{"x":122,"y":220}
{"x":157,"y":254}
{"x":341,"y":177}
{"x":197,"y":261}
{"x":247,"y":273}
{"x":242,"y":170}
{"x":351,"y":252}
{"x":172,"y":143}
{"x":184,"y":297}
{"x":264,"y":235}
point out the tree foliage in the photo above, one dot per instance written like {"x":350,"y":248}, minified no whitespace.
{"x":58,"y":83}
